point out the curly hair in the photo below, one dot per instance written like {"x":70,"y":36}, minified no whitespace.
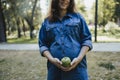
{"x":54,"y":12}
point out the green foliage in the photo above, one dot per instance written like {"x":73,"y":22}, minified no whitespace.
{"x":107,"y":65}
{"x":117,"y":10}
{"x":112,"y":29}
{"x":22,"y":40}
{"x":105,"y":11}
{"x":19,"y":13}
{"x":2,"y":60}
{"x":80,"y":6}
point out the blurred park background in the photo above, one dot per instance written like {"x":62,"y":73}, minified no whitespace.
{"x":20,"y":21}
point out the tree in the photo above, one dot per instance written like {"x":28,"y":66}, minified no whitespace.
{"x":117,"y":12}
{"x":20,"y":12}
{"x":81,"y":6}
{"x":82,"y":9}
{"x":30,"y":12}
{"x":105,"y":11}
{"x":2,"y":25}
{"x":30,"y":21}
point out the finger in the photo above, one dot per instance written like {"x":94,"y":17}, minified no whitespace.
{"x":58,"y":61}
{"x":72,"y":63}
{"x":67,"y":69}
{"x":64,"y":68}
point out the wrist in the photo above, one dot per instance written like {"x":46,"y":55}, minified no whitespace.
{"x":48,"y":56}
{"x":79,"y":58}
{"x":51,"y":59}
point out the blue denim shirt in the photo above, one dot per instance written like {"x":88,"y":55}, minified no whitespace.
{"x":65,"y":37}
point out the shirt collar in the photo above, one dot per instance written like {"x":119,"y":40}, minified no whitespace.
{"x":68,"y":15}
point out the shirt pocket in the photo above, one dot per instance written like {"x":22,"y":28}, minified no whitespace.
{"x":51,"y":32}
{"x":72,"y":28}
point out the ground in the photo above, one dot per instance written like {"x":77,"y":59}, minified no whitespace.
{"x":29,"y":65}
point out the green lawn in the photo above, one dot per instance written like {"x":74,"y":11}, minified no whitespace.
{"x":29,"y":65}
{"x":22,"y":40}
{"x":28,"y":40}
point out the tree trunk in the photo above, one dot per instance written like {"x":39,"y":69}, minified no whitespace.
{"x":118,"y":21}
{"x":23,"y":28}
{"x":2,"y":26}
{"x":31,"y":21}
{"x":18,"y":27}
{"x":9,"y":28}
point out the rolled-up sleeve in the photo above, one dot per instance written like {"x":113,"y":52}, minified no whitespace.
{"x":86,"y":37}
{"x":42,"y":40}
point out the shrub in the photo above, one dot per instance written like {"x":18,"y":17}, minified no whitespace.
{"x":107,"y":65}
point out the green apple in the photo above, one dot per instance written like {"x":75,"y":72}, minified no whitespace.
{"x":66,"y":61}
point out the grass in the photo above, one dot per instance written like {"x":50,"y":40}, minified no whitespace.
{"x":100,"y":38}
{"x":30,"y":41}
{"x":29,"y":65}
{"x":104,"y":66}
{"x":112,"y":35}
{"x":22,"y":65}
{"x":22,"y":40}
{"x":107,"y":65}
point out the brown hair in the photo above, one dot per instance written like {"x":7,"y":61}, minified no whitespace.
{"x":54,"y":12}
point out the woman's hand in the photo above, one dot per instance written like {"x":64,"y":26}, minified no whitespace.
{"x":56,"y":62}
{"x":74,"y":63}
{"x":78,"y":59}
{"x":53,"y":60}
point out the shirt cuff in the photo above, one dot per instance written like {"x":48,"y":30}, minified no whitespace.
{"x":88,"y":43}
{"x":42,"y":49}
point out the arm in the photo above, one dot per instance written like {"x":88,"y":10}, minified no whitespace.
{"x":82,"y":53}
{"x":78,"y":59}
{"x":44,"y":47}
{"x":85,"y":41}
{"x":53,"y":60}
